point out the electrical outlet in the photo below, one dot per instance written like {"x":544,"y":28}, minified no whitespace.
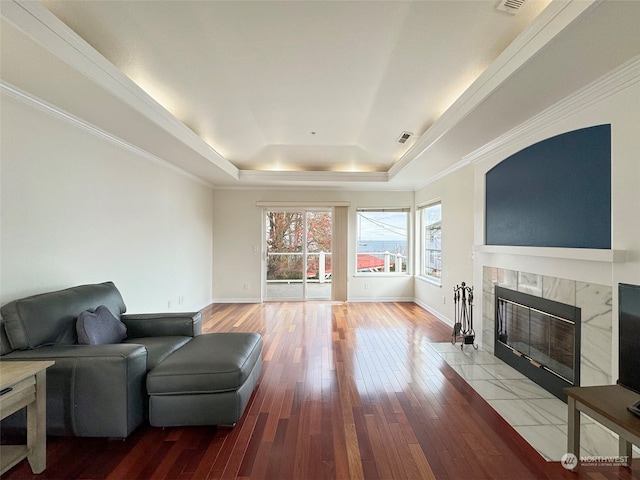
{"x":366,"y":285}
{"x":169,"y":304}
{"x":247,"y":286}
{"x":180,"y":300}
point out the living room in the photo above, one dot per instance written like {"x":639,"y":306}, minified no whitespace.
{"x":89,"y":195}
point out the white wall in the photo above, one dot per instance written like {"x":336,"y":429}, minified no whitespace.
{"x":455,"y":191}
{"x":237,"y":242}
{"x":79,"y":209}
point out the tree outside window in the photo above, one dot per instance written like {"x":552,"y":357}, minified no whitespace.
{"x":285,"y":243}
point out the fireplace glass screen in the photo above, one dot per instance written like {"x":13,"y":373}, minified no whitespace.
{"x":546,"y":339}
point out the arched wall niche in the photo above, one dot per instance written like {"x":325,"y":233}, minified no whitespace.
{"x":555,"y":193}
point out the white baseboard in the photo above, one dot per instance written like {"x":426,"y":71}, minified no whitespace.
{"x":379,"y":299}
{"x":205,"y":305}
{"x":236,"y":300}
{"x":433,"y":312}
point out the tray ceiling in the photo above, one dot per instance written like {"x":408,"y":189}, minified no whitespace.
{"x":297,"y":88}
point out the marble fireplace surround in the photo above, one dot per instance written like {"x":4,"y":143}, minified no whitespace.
{"x":595,"y":302}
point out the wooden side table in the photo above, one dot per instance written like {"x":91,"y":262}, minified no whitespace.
{"x":24,"y":384}
{"x":607,"y":405}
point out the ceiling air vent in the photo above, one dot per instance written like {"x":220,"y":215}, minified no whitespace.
{"x":510,"y":6}
{"x":404,"y":137}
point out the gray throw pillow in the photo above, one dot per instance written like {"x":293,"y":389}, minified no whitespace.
{"x":99,"y":327}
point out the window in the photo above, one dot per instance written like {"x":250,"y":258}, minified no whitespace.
{"x":431,"y":241}
{"x":382,"y":240}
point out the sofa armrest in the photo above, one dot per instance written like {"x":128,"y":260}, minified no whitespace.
{"x":187,"y":324}
{"x":92,"y":390}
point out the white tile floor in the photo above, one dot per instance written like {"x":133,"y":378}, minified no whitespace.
{"x":533,"y":412}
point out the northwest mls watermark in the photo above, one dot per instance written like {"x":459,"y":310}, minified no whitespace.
{"x":570,"y":461}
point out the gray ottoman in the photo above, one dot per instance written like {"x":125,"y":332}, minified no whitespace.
{"x":207,"y":382}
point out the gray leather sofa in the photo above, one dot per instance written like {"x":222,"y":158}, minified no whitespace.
{"x":101,"y":390}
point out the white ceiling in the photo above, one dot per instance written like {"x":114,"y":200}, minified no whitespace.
{"x":304,"y":93}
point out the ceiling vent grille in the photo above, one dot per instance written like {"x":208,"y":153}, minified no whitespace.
{"x":510,"y":6}
{"x":404,"y":137}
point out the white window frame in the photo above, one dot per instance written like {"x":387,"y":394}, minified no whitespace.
{"x":425,"y":250}
{"x":388,"y":264}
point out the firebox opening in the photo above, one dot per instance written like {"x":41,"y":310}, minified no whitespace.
{"x":538,"y":337}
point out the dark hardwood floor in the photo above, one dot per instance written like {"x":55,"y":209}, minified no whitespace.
{"x":348,"y":391}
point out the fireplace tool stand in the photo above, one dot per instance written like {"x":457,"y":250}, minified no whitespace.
{"x":463,"y":310}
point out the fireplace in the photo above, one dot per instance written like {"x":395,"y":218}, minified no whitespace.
{"x":538,"y":337}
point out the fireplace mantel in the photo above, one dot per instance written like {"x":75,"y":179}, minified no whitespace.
{"x":586,"y":254}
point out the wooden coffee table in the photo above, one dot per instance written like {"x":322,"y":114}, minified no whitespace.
{"x":23,"y":384}
{"x":607,"y":405}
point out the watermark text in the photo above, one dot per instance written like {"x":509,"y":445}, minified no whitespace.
{"x":570,"y":461}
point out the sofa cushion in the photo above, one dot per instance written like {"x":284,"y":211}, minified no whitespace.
{"x":99,"y":327}
{"x":158,"y":348}
{"x":209,"y":363}
{"x":50,"y":318}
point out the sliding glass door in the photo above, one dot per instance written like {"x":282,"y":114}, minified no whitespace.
{"x":298,"y":254}
{"x":318,"y":256}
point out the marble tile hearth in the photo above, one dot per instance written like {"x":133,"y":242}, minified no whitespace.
{"x":538,"y":416}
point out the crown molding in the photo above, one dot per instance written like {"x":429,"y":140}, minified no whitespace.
{"x":551,"y":21}
{"x":272,"y":204}
{"x":311,"y":176}
{"x":43,"y":106}
{"x":624,"y":76}
{"x":43,"y":27}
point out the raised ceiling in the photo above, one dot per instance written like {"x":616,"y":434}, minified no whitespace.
{"x":285,"y":92}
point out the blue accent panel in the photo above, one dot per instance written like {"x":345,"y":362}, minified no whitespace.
{"x":555,"y":193}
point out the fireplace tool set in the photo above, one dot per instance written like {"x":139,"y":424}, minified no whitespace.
{"x":463,"y":310}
